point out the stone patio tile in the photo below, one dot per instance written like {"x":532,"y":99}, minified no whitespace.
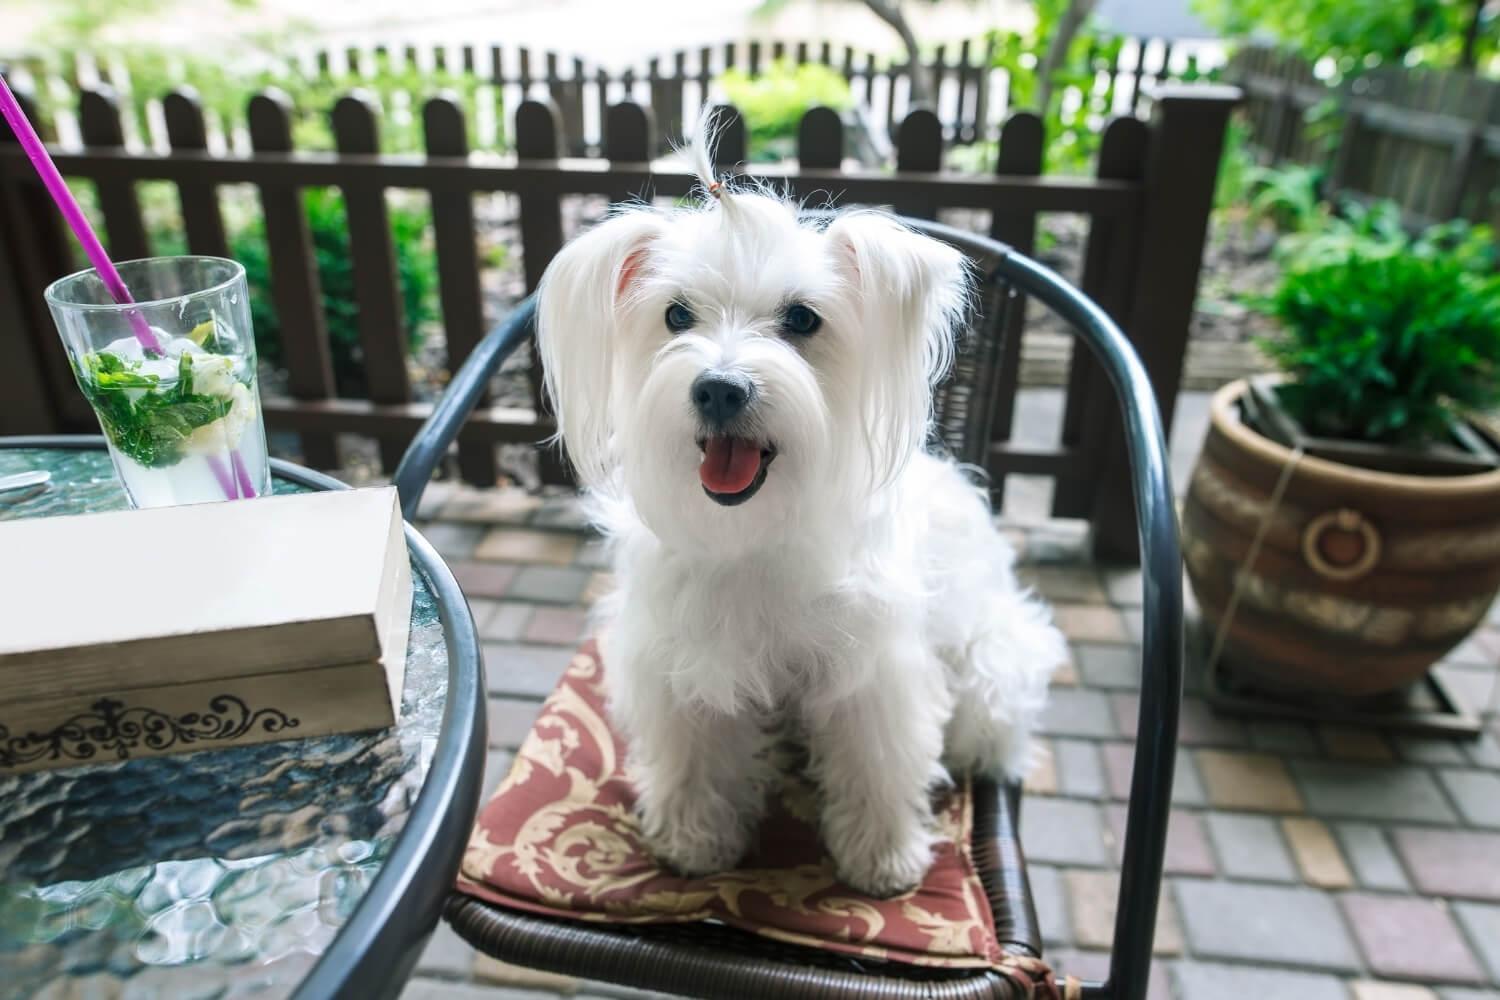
{"x":1064,"y":584}
{"x":599,"y":584}
{"x":1063,"y":831}
{"x":1282,"y":737}
{"x":1317,"y":853}
{"x":491,"y":970}
{"x":1370,"y":855}
{"x":496,"y":767}
{"x":479,"y":579}
{"x":1352,"y":743}
{"x":1464,"y":993}
{"x":1077,"y":712}
{"x":1212,"y":981}
{"x":1126,"y":709}
{"x":1090,"y":623}
{"x":514,"y":668}
{"x":558,"y":626}
{"x":521,"y":545}
{"x":1392,"y":792}
{"x":1202,"y":726}
{"x":1477,"y":794}
{"x":549,"y":584}
{"x":1094,"y":965}
{"x":1187,"y":789}
{"x":1474,"y":690}
{"x":1421,"y":750}
{"x":1078,"y":770}
{"x":1188,"y":850}
{"x":592,"y":554}
{"x":1485,"y":751}
{"x":1373,"y":989}
{"x":1251,"y":781}
{"x":434,"y":496}
{"x":1451,"y":862}
{"x":561,"y":511}
{"x":1066,"y":675}
{"x":1264,"y":924}
{"x":1051,"y":903}
{"x":1250,"y":847}
{"x":1091,"y":901}
{"x":510,"y":720}
{"x":1123,"y":586}
{"x":446,"y":954}
{"x":1482,"y":923}
{"x":435,"y":989}
{"x":1105,"y":665}
{"x":506,"y":621}
{"x":502,"y":506}
{"x":453,"y":541}
{"x":1042,"y":778}
{"x":1409,"y":938}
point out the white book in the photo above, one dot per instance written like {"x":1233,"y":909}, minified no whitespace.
{"x":207,"y":625}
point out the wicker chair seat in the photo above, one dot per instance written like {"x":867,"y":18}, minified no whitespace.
{"x":557,"y":877}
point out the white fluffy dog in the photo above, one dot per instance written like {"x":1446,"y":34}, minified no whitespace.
{"x":746,"y":399}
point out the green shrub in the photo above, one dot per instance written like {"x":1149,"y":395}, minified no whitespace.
{"x":774,"y":102}
{"x":416,"y":267}
{"x":1289,"y":197}
{"x":1386,"y":347}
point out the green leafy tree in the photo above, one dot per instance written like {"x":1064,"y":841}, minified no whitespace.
{"x":1361,"y":35}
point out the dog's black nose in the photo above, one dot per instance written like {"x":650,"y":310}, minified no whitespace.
{"x":720,"y":396}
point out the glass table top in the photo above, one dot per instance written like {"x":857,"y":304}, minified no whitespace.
{"x":223,"y":873}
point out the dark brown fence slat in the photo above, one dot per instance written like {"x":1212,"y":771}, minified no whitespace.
{"x":1187,"y":137}
{"x":453,"y":233}
{"x":377,"y":292}
{"x":754,"y":59}
{"x":731,"y":150}
{"x":39,"y":256}
{"x":919,"y":149}
{"x":201,"y":217}
{"x":295,"y":288}
{"x":820,"y":139}
{"x":1088,"y":423}
{"x":99,"y":121}
{"x":629,"y":137}
{"x":1020,"y":155}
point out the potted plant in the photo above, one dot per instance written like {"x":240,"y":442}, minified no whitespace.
{"x":1353,"y":491}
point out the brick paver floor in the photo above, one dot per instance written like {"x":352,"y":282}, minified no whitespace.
{"x":1304,"y":861}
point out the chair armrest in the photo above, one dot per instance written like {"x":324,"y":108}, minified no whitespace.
{"x":457,"y":403}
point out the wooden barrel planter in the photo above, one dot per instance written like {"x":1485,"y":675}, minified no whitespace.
{"x":1363,"y":579}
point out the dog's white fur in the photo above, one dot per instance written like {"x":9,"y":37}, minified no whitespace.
{"x":862,"y":595}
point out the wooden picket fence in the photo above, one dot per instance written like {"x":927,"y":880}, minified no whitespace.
{"x":973,"y":96}
{"x":1428,"y":140}
{"x":1148,"y":205}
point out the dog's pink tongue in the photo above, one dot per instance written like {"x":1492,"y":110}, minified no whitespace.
{"x":729,"y":464}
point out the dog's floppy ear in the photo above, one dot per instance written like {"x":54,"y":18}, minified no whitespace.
{"x":907,"y":292}
{"x":580,"y":300}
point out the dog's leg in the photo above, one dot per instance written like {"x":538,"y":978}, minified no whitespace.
{"x":876,"y":753}
{"x":701,"y":783}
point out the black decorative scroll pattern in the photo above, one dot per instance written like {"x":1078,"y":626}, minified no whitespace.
{"x":111,"y":726}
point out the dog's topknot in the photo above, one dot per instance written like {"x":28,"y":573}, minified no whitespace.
{"x":701,"y":145}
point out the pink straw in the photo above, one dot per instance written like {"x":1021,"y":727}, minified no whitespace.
{"x":234,"y":485}
{"x":10,"y":108}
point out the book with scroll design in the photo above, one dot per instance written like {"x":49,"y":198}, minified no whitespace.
{"x":135,"y":633}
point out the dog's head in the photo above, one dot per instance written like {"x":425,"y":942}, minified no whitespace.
{"x":739,"y":373}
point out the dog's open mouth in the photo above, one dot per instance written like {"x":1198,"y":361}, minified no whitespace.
{"x":733,"y":468}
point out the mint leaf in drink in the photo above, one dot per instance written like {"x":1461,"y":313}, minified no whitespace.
{"x":146,"y":419}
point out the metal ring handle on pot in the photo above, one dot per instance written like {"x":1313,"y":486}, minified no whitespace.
{"x":1345,"y":522}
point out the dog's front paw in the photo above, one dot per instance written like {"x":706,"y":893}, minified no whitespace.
{"x":884,"y":871}
{"x":695,"y":839}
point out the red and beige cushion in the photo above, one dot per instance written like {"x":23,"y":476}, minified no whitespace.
{"x":560,"y":838}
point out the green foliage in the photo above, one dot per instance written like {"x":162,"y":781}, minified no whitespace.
{"x":774,"y":102}
{"x":1324,"y":236}
{"x":1236,"y":166}
{"x":1289,"y":197}
{"x":1387,"y":347}
{"x":1355,"y":35}
{"x":145,"y":420}
{"x":416,"y":267}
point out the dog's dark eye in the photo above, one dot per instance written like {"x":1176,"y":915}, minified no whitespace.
{"x":679,"y":317}
{"x":801,"y":320}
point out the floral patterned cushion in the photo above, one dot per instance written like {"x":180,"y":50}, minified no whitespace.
{"x":559,"y":837}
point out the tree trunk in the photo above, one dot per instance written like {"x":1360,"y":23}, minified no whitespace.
{"x":1068,"y":26}
{"x":1469,"y":58}
{"x":889,"y":11}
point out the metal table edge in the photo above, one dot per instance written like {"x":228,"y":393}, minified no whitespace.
{"x":373,"y":953}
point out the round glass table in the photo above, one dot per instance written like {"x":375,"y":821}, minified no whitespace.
{"x":310,"y":868}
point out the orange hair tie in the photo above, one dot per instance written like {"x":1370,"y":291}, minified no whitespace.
{"x":716,"y":189}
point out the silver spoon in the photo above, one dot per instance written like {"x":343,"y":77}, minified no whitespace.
{"x":21,"y":480}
